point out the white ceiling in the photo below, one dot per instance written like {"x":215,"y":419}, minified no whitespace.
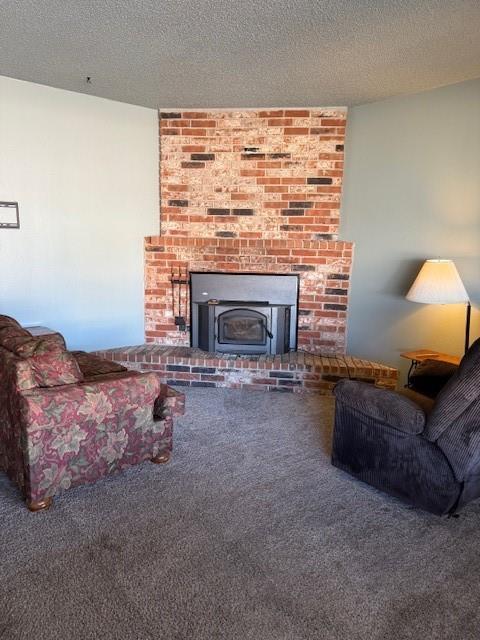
{"x":243,"y":53}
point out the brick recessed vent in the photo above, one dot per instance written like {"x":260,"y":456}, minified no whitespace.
{"x":253,"y":191}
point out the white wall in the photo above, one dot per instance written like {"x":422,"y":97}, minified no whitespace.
{"x":85,"y":173}
{"x":411,"y":192}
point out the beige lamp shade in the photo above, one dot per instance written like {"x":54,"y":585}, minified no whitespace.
{"x":438,"y":282}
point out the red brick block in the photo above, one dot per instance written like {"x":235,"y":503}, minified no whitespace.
{"x":207,"y":124}
{"x":194,"y":132}
{"x":296,"y":131}
{"x":268,"y":180}
{"x":193,"y":148}
{"x":297,"y":113}
{"x":248,"y":173}
{"x":333,"y":122}
{"x":278,"y":122}
{"x":278,"y":113}
{"x":294,"y":180}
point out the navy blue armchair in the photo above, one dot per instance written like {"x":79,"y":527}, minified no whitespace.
{"x":426,"y":454}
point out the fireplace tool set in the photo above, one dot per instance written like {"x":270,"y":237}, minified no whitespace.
{"x":179,"y":280}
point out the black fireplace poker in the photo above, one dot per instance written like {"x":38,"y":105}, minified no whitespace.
{"x":178,"y":280}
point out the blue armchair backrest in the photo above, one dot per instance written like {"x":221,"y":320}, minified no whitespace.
{"x":454,"y":423}
{"x":457,"y":395}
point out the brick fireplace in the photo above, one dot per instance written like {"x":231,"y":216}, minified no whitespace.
{"x":251,"y":191}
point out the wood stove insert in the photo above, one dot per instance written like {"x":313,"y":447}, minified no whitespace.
{"x":230,"y":326}
{"x":244,"y":326}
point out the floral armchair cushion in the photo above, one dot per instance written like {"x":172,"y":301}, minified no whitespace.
{"x":92,"y":366}
{"x":12,"y":335}
{"x":50,"y":364}
{"x":51,"y":369}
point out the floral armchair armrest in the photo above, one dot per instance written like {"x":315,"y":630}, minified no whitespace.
{"x":169,"y":403}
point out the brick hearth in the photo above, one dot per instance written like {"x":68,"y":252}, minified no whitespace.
{"x":297,"y":371}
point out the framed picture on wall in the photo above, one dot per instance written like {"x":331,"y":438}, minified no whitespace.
{"x":9,"y":216}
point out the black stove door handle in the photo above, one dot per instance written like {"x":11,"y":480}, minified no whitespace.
{"x":269,"y":333}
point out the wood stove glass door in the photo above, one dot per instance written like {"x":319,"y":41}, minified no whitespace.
{"x":244,"y":330}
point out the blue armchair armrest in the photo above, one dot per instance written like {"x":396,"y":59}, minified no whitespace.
{"x":382,"y":405}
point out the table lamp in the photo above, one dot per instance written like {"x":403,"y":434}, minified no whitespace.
{"x":438,"y":282}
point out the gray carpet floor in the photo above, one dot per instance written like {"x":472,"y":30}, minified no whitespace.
{"x":248,"y":534}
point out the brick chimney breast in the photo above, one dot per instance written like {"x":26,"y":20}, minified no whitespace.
{"x":252,"y":191}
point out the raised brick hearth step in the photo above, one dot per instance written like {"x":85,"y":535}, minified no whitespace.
{"x":295,"y":371}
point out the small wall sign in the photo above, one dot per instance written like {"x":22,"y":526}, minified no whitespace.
{"x":9,"y":216}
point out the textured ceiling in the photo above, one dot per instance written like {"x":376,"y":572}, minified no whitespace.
{"x":212,"y":53}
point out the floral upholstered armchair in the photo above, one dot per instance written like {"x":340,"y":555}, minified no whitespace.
{"x":69,"y":418}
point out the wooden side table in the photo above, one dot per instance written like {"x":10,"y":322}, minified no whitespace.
{"x":419,"y":355}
